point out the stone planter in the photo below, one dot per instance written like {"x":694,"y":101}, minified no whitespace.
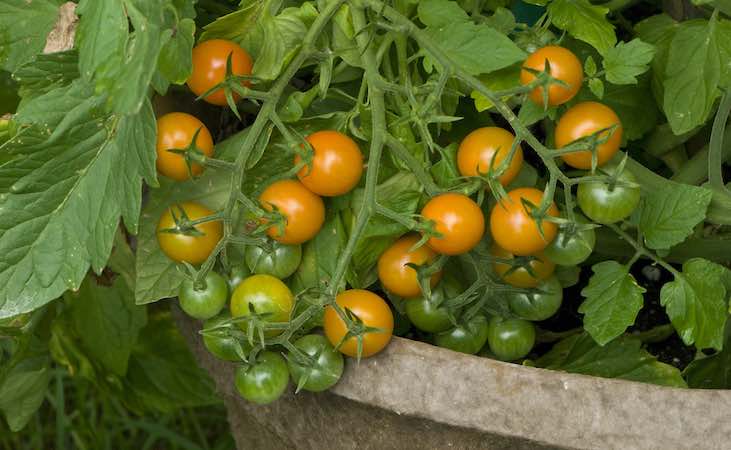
{"x":414,"y":395}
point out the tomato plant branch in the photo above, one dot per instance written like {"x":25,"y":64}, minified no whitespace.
{"x":641,"y":250}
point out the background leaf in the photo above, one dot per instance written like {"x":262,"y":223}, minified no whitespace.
{"x":65,"y":191}
{"x":689,"y":94}
{"x":712,"y":372}
{"x":584,"y":21}
{"x":613,"y":299}
{"x":23,"y":29}
{"x":668,"y":216}
{"x":624,"y":62}
{"x":176,"y":60}
{"x":696,"y":303}
{"x":107,"y":321}
{"x":622,"y":358}
{"x":22,"y":390}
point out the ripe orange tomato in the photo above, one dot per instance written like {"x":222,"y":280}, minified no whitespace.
{"x":175,"y":131}
{"x":209,"y":68}
{"x":542,"y":269}
{"x":584,"y":119}
{"x":460,"y":221}
{"x":372,"y":310}
{"x":303,"y":210}
{"x":181,"y":247}
{"x":477,"y":150}
{"x":564,"y":66}
{"x":337,"y":164}
{"x":398,"y":278}
{"x":514,"y":229}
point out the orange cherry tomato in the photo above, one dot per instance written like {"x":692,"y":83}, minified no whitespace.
{"x":542,"y":268}
{"x":460,"y":221}
{"x":337,"y":164}
{"x":209,"y":68}
{"x":175,"y":131}
{"x":564,"y":66}
{"x":478,"y":149}
{"x":372,"y":310}
{"x":585,"y":119}
{"x":304,"y":211}
{"x":182,"y":247}
{"x":398,"y":278}
{"x":514,"y":229}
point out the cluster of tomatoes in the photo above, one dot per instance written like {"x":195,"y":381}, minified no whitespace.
{"x":526,"y":245}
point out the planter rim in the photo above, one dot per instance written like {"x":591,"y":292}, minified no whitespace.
{"x":546,"y":406}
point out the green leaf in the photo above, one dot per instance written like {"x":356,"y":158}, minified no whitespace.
{"x":502,"y":20}
{"x":621,"y":358}
{"x":400,"y":193}
{"x":176,"y":59}
{"x":712,"y":372}
{"x":107,"y":321}
{"x":624,"y":62}
{"x":64,"y":193}
{"x":590,"y":66}
{"x":668,"y":216}
{"x":724,"y":49}
{"x":584,"y":21}
{"x":445,"y":171}
{"x":320,"y":255}
{"x":690,"y":94}
{"x":499,"y":80}
{"x":22,"y":390}
{"x":531,"y":112}
{"x":596,"y":86}
{"x":439,"y":13}
{"x":613,"y":299}
{"x":659,"y":31}
{"x":47,"y":72}
{"x":23,"y":29}
{"x":696,"y":303}
{"x":272,"y":40}
{"x":478,"y":49}
{"x":162,"y":374}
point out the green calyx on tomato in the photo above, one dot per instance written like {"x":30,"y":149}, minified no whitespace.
{"x":468,"y":337}
{"x":573,"y":244}
{"x":264,"y":381}
{"x":511,"y":339}
{"x":431,"y":314}
{"x":281,"y":262}
{"x":220,"y":342}
{"x":325,"y":368}
{"x":204,"y":302}
{"x":608,"y":202}
{"x":540,"y":303}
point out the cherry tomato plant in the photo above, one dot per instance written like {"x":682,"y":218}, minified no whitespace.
{"x":488,"y":175}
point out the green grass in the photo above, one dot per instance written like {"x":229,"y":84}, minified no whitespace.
{"x":75,"y":415}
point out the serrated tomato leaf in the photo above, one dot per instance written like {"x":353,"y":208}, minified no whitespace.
{"x":696,"y":302}
{"x":625,"y":61}
{"x":478,"y":49}
{"x":107,"y":321}
{"x":23,"y":29}
{"x":175,"y":62}
{"x":584,"y":21}
{"x":621,"y":358}
{"x":690,"y":94}
{"x":712,"y":372}
{"x":439,"y":13}
{"x":668,"y":216}
{"x":75,"y":172}
{"x":613,"y":299}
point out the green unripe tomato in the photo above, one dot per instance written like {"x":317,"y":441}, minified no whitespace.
{"x":327,"y":368}
{"x":280,"y":263}
{"x":607,"y":204}
{"x":468,"y":337}
{"x":571,"y":247}
{"x":511,"y":339}
{"x":223,"y":346}
{"x":541,"y":303}
{"x":265,"y":381}
{"x":207,"y":301}
{"x":424,"y":313}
